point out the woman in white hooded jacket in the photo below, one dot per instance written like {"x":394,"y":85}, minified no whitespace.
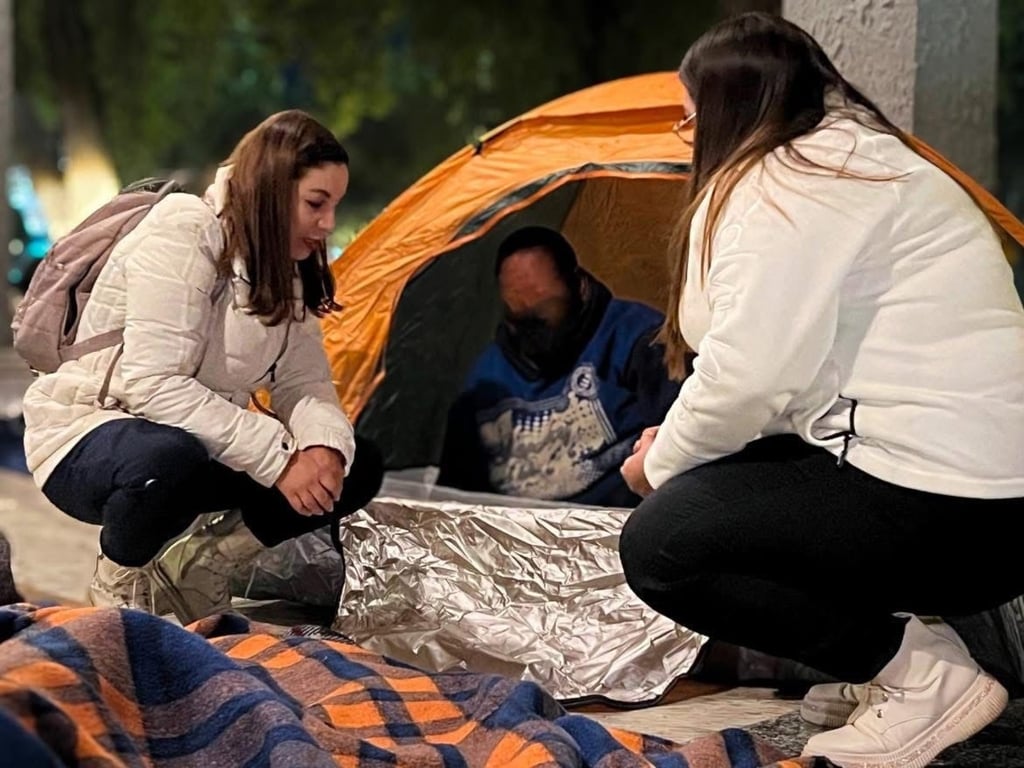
{"x":217,"y":297}
{"x":848,"y":452}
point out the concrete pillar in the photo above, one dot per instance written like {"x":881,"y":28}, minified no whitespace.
{"x":931,"y":65}
{"x":957,"y":82}
{"x":6,"y":122}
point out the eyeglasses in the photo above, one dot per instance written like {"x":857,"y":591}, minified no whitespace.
{"x":678,"y":127}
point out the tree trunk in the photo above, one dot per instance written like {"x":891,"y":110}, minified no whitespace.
{"x":6,"y":110}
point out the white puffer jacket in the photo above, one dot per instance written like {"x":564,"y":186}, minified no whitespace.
{"x":872,"y":314}
{"x":191,"y":356}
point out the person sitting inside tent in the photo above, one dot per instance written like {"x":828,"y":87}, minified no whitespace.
{"x":557,"y":401}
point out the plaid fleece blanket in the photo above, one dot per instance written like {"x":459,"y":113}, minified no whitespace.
{"x":102,"y":687}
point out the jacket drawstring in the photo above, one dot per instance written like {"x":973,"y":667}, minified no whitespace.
{"x":846,"y":434}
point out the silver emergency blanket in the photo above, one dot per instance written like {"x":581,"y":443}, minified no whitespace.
{"x":447,"y":580}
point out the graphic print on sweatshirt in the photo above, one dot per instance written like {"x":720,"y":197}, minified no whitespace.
{"x":553,"y":448}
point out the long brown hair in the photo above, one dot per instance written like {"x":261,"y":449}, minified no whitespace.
{"x":265,"y":166}
{"x":759,"y":82}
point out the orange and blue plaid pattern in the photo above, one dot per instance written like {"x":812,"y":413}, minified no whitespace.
{"x":102,"y":687}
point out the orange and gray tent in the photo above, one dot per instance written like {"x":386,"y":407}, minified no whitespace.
{"x":602,"y":165}
{"x":417,"y":286}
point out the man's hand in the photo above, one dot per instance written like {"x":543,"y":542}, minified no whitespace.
{"x":312,"y":480}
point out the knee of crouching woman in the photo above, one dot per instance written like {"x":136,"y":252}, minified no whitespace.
{"x":639,"y":542}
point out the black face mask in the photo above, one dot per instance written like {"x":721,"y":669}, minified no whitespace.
{"x":539,"y":351}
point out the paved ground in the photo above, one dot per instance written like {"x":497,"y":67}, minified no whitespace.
{"x":53,"y":555}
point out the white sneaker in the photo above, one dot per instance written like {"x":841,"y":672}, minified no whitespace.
{"x":831,"y":705}
{"x":194,"y":574}
{"x":120,"y":586}
{"x":930,"y":696}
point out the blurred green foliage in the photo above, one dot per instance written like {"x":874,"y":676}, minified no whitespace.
{"x":167,"y":85}
{"x":174,"y":84}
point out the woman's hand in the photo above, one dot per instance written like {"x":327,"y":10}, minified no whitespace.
{"x":647,"y":435}
{"x":312,"y":480}
{"x":633,"y":468}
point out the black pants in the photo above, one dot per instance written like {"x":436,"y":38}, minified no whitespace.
{"x":145,"y":483}
{"x":779,"y":550}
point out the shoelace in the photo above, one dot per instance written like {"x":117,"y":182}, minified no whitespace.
{"x":875,"y":697}
{"x":140,"y":587}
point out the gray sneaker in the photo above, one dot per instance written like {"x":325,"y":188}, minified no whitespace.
{"x":120,"y":586}
{"x":194,"y":574}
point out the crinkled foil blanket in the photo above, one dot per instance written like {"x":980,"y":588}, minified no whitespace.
{"x":533,"y":593}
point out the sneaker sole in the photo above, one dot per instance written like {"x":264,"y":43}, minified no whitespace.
{"x":983,"y":702}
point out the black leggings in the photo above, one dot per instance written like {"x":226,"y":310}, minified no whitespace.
{"x":779,"y":550}
{"x":145,"y":483}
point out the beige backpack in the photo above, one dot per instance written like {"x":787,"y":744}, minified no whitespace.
{"x":46,"y":322}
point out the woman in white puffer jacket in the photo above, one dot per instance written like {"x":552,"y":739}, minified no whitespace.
{"x":848,"y":454}
{"x":218,"y":297}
